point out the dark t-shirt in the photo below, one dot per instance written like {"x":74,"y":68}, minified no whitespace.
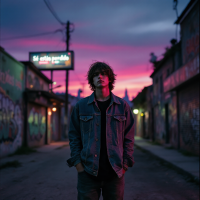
{"x":106,"y":171}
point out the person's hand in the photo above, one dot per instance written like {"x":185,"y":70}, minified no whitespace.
{"x":124,"y":171}
{"x":79,"y":167}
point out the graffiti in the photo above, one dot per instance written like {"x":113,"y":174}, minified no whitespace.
{"x":195,"y":122}
{"x":189,"y":123}
{"x":10,"y":124}
{"x":18,"y":84}
{"x":5,"y":77}
{"x":192,"y":45}
{"x":36,"y":125}
{"x":183,"y":74}
{"x":190,"y":36}
{"x":173,"y":131}
{"x":160,"y":122}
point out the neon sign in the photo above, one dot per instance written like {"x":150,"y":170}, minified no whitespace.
{"x":52,"y":60}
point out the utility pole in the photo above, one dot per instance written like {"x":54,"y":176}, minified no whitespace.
{"x":67,"y":77}
{"x":67,"y":49}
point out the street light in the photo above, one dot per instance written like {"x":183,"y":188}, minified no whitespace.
{"x":54,"y":109}
{"x":135,"y":111}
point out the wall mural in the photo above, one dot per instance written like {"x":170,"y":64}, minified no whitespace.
{"x":189,"y":123}
{"x":10,"y":124}
{"x":173,"y":124}
{"x":11,"y":118}
{"x":36,"y":123}
{"x":159,"y":122}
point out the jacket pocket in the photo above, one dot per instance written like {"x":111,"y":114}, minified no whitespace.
{"x":119,"y":123}
{"x":86,"y":123}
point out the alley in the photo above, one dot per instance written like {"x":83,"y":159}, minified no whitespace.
{"x":45,"y":175}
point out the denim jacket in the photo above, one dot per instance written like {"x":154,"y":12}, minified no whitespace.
{"x":85,"y":135}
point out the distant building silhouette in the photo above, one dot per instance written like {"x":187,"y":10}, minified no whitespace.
{"x":126,"y":98}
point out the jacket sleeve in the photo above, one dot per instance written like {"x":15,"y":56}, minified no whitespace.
{"x":74,"y":138}
{"x":128,"y":159}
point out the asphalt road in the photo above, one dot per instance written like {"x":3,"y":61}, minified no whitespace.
{"x":45,"y":175}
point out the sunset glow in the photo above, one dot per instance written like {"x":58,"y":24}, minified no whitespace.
{"x":118,"y":34}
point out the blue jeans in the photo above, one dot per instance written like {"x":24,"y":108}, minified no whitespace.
{"x":90,"y":189}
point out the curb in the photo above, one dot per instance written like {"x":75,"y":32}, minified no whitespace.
{"x":190,"y":177}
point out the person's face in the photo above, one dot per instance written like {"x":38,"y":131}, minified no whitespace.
{"x":100,"y":79}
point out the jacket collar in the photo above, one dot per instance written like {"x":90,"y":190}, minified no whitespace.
{"x":113,"y":98}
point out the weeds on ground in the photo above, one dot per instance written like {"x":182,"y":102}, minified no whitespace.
{"x":14,"y":163}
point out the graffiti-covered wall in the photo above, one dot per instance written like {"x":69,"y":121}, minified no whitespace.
{"x":189,"y":117}
{"x":35,"y":82}
{"x":36,"y":127}
{"x":11,"y":101}
{"x":190,"y":35}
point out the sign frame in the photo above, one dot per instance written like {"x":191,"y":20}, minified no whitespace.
{"x":53,"y":68}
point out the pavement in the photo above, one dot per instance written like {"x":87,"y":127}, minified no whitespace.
{"x":185,"y":164}
{"x":44,"y":149}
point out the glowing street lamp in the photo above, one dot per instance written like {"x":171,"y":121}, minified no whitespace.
{"x":54,"y":109}
{"x":49,"y":113}
{"x":142,"y":114}
{"x":135,"y":111}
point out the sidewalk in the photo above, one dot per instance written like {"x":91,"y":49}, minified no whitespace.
{"x":43,"y":149}
{"x":186,"y":164}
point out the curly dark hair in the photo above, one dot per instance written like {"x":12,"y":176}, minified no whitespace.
{"x":101,"y":66}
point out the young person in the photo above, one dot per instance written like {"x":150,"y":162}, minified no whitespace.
{"x":101,"y":136}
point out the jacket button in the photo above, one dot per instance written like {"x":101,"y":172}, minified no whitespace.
{"x":96,"y":139}
{"x":95,"y":155}
{"x":97,"y":124}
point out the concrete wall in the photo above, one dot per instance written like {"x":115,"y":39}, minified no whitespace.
{"x":190,"y":35}
{"x":189,"y":117}
{"x":35,"y":82}
{"x":11,"y":103}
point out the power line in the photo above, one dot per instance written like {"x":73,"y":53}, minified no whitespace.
{"x":34,"y":35}
{"x":53,"y":12}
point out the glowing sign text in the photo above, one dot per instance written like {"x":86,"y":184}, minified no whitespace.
{"x":52,"y":60}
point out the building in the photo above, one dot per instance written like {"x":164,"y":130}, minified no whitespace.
{"x":12,"y":86}
{"x":143,"y":114}
{"x":175,"y":96}
{"x":164,"y":103}
{"x":42,"y":109}
{"x":185,"y":80}
{"x":30,"y":114}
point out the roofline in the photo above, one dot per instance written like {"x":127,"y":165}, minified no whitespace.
{"x":36,"y":70}
{"x":46,"y":93}
{"x":186,"y":11}
{"x":18,"y":62}
{"x":163,"y":60}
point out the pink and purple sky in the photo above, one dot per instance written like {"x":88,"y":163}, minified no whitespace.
{"x":121,"y":33}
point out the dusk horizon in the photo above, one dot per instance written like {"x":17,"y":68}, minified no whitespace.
{"x":120,"y":34}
